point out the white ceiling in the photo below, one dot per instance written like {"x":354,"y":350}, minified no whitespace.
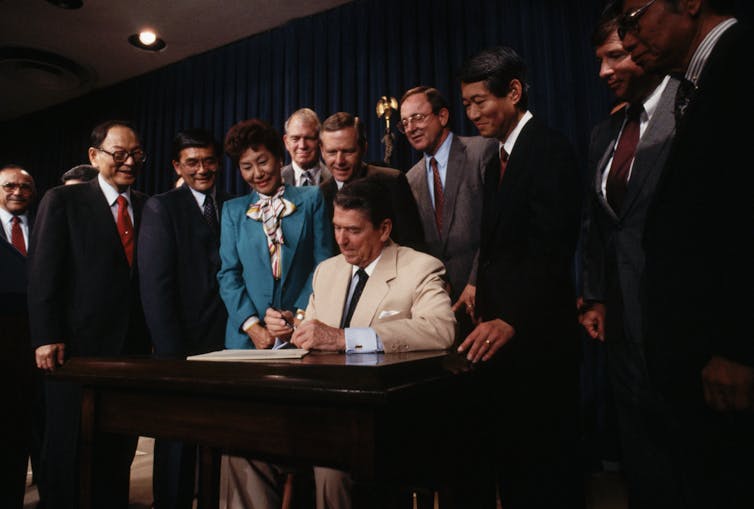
{"x":89,"y":45}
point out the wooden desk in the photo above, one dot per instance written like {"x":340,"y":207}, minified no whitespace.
{"x":395,"y":419}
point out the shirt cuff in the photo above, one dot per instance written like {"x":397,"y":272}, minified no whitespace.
{"x":249,"y":322}
{"x":362,"y":340}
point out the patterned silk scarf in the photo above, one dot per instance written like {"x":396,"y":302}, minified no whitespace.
{"x":270,"y":210}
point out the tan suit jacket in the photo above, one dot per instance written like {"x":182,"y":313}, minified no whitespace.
{"x":403,"y":301}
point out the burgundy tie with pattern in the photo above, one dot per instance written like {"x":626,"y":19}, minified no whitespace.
{"x":617,"y":179}
{"x":17,"y":236}
{"x":125,"y":229}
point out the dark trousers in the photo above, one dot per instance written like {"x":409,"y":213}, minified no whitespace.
{"x":113,"y":455}
{"x":173,"y":474}
{"x":16,"y":384}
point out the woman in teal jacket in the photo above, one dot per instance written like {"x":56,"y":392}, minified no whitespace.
{"x":271,"y":240}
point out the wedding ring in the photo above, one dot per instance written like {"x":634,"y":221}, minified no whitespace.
{"x":488,"y":342}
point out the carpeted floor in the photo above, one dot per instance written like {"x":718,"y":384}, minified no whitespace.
{"x":605,"y":491}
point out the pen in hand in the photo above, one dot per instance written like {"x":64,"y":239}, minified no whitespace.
{"x":287,"y":322}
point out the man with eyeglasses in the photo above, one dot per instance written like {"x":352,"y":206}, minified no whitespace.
{"x":84,"y":301}
{"x":17,"y":194}
{"x":698,"y":243}
{"x":301,"y":140}
{"x":179,"y":243}
{"x":446,"y":184}
{"x":343,"y":144}
{"x":623,"y":178}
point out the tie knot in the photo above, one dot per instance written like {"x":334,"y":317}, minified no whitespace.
{"x":207,"y":200}
{"x":122,"y":202}
{"x":16,"y":220}
{"x":362,"y":274}
{"x":503,"y":155}
{"x":433,"y":162}
{"x":633,"y":112}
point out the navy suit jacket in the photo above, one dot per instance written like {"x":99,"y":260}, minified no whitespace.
{"x":530,"y":227}
{"x":698,"y":235}
{"x":82,"y":291}
{"x":178,"y":263}
{"x":13,"y":280}
{"x":407,"y":225}
{"x":246,"y":283}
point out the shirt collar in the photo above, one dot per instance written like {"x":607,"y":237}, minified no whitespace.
{"x":200,"y":197}
{"x":442,"y":153}
{"x":111,"y":194}
{"x":369,"y":268}
{"x":702,"y":53}
{"x":510,"y":141}
{"x":5,"y":217}
{"x":651,"y":102}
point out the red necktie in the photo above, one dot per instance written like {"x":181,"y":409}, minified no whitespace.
{"x":617,"y":179}
{"x":503,"y":165}
{"x":125,"y":229}
{"x":439,"y":197}
{"x":17,"y":236}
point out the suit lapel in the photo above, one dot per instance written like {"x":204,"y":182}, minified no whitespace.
{"x":453,"y":176}
{"x":613,"y":129}
{"x":653,"y":143}
{"x":253,"y":231}
{"x":377,"y":286}
{"x":292,"y":226}
{"x":337,"y":288}
{"x":424,"y":202}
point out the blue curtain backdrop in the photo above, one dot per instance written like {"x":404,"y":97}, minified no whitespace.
{"x":342,"y":59}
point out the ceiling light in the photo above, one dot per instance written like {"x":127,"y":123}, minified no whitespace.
{"x":146,"y":40}
{"x":147,"y":37}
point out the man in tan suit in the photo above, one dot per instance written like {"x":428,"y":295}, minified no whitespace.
{"x":397,"y":303}
{"x":403,"y":306}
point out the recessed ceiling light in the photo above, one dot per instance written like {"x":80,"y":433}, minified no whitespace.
{"x":147,"y":40}
{"x":67,"y":4}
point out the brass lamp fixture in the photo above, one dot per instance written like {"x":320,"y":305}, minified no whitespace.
{"x":386,"y":106}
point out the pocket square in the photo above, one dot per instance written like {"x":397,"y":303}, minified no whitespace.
{"x":387,"y":312}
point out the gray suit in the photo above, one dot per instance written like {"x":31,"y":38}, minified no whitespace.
{"x":613,"y":269}
{"x":289,"y":175}
{"x":458,"y":245}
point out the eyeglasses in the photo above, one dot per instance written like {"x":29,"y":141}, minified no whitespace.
{"x":121,"y":156}
{"x":10,"y":187}
{"x":419,"y":119}
{"x":207,"y":162}
{"x":629,"y":22}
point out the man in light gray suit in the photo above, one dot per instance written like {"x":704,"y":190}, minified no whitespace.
{"x":448,"y":195}
{"x":613,"y":257}
{"x":302,"y":143}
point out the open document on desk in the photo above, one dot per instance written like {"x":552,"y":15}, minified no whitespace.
{"x":250,"y":355}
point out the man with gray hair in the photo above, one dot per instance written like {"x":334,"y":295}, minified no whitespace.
{"x":301,"y":140}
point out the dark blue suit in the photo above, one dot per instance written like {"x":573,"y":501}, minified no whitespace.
{"x":246,"y":283}
{"x":530,"y":225}
{"x":18,"y":380}
{"x":178,"y":263}
{"x":699,"y":275}
{"x":83,"y":293}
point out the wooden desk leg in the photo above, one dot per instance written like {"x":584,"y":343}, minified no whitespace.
{"x":209,"y":478}
{"x":86,"y":449}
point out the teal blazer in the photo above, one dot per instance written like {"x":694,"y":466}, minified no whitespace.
{"x":246,"y":283}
